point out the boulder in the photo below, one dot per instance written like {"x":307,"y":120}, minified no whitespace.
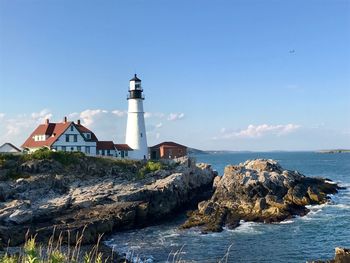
{"x":342,"y":255}
{"x":259,"y":190}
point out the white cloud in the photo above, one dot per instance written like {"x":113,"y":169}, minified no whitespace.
{"x":88,"y":117}
{"x":2,"y":115}
{"x":40,"y":116}
{"x":256,"y":131}
{"x":73,"y":115}
{"x":175,"y":116}
{"x":159,"y":115}
{"x":17,"y":128}
{"x":120,"y":113}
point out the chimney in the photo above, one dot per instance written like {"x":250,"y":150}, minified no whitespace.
{"x":65,"y":119}
{"x":78,"y":122}
{"x":47,"y":121}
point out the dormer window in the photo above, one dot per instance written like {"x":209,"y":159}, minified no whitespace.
{"x":39,"y":138}
{"x":88,"y":136}
{"x":71,"y":128}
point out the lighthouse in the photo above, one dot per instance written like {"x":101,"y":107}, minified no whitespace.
{"x":135,"y":127}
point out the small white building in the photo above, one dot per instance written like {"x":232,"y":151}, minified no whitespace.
{"x":123,"y":150}
{"x":9,"y":148}
{"x":108,"y":148}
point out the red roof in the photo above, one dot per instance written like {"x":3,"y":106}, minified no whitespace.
{"x":105,"y":145}
{"x":123,"y":147}
{"x":54,"y":131}
{"x":83,"y":129}
{"x":168,"y":144}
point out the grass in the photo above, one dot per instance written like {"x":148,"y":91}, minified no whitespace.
{"x":53,"y":252}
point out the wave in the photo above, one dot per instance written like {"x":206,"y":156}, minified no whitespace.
{"x":286,"y":222}
{"x":342,"y":206}
{"x":138,"y":259}
{"x":246,"y":228}
{"x":317,"y":208}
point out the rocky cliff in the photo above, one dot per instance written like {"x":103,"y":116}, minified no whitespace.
{"x":258,"y":190}
{"x":95,"y":196}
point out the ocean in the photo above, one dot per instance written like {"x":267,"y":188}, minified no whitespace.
{"x":313,"y":236}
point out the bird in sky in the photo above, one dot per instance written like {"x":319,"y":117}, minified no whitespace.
{"x":292,"y":51}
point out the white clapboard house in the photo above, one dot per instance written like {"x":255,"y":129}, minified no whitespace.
{"x":70,"y":136}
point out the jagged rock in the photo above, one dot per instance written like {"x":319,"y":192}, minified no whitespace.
{"x":342,"y":255}
{"x":96,"y":198}
{"x":258,"y":190}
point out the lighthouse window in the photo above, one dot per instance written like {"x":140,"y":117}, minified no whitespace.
{"x":141,"y":134}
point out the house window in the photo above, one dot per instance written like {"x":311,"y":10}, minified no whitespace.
{"x":71,"y":149}
{"x":64,"y":148}
{"x":75,"y":137}
{"x":88,"y":136}
{"x":67,"y":137}
{"x":79,"y":148}
{"x":72,"y":128}
{"x":108,"y":152}
{"x":122,"y":154}
{"x":103,"y":152}
{"x":87,"y":149}
{"x":126,"y":153}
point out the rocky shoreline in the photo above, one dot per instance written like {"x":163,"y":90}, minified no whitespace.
{"x":261,"y":191}
{"x":95,"y":197}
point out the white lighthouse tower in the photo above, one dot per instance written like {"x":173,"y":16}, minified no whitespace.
{"x":135,"y":128}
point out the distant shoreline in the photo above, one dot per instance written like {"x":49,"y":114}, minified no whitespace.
{"x":331,"y":151}
{"x":334,"y":151}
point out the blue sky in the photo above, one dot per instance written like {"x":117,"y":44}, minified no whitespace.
{"x":233,"y":75}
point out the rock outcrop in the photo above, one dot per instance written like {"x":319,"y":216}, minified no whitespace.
{"x":342,"y":255}
{"x":258,"y":190}
{"x":95,"y":198}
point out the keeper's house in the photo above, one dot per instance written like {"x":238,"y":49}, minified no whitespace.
{"x":70,"y":137}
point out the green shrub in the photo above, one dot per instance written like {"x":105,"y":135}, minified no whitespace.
{"x":65,"y":158}
{"x":150,"y":166}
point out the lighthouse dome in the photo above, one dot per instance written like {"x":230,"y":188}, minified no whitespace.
{"x":135,"y":78}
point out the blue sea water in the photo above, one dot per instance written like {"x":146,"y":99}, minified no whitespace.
{"x":303,"y":238}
